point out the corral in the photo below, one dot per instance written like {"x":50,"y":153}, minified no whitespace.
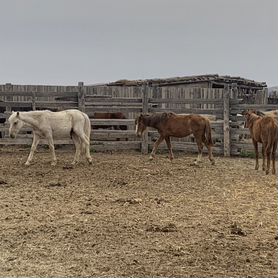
{"x":126,"y":215}
{"x":220,"y":96}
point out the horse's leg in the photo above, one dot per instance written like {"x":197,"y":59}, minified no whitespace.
{"x":268,"y":151}
{"x":255,"y":143}
{"x":78,"y":146}
{"x":35,"y":143}
{"x":200,"y":149}
{"x":263,"y":154}
{"x":156,"y":144}
{"x":169,"y":145}
{"x":87,"y":153}
{"x":273,"y":158}
{"x":84,"y":141}
{"x":210,"y":155}
{"x":52,"y":150}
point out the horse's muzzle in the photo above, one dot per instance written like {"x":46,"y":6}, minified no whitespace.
{"x":12,"y":136}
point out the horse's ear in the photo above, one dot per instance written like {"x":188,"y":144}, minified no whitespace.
{"x":17,"y":114}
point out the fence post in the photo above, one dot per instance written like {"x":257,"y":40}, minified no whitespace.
{"x":81,"y":96}
{"x":145,"y":109}
{"x":8,"y":88}
{"x":226,"y":121}
{"x":265,"y":96}
{"x":34,"y":101}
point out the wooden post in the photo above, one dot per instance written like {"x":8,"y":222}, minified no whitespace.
{"x":265,"y":96}
{"x":234,"y":91}
{"x":145,"y":109}
{"x":81,"y":96}
{"x":34,"y":101}
{"x":9,"y":88}
{"x":226,"y":121}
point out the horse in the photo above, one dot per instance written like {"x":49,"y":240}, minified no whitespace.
{"x":170,"y":124}
{"x":104,"y":115}
{"x":48,"y":125}
{"x":263,"y":129}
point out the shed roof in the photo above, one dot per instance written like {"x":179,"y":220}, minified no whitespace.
{"x":189,"y":79}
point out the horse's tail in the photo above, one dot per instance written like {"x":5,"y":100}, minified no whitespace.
{"x":272,"y":138}
{"x":87,"y":131}
{"x":208,"y":133}
{"x":87,"y":126}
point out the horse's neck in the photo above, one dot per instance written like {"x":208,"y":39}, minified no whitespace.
{"x":151,"y":123}
{"x":29,"y":118}
{"x":253,"y":123}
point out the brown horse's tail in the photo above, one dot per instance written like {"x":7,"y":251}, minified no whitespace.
{"x":272,"y":138}
{"x":208,"y":133}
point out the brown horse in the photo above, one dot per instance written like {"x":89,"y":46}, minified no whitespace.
{"x":170,"y":124}
{"x":263,"y":130}
{"x":107,"y":115}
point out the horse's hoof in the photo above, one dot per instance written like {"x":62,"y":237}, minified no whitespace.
{"x":90,"y":161}
{"x":213,"y":162}
{"x":27,"y":163}
{"x":151,"y":157}
{"x":194,"y":164}
{"x":53,"y":163}
{"x":267,"y":172}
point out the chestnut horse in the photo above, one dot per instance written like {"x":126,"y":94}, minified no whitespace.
{"x":263,"y":130}
{"x":170,"y":124}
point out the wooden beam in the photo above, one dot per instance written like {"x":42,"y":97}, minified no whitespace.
{"x":145,"y":109}
{"x":226,"y":123}
{"x":81,"y":96}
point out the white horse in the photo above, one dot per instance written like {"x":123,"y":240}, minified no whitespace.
{"x":48,"y":125}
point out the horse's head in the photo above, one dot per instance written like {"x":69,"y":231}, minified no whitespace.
{"x":15,"y":124}
{"x":249,"y":116}
{"x":140,"y":125}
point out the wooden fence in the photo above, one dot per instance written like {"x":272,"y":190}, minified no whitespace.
{"x":223,"y":104}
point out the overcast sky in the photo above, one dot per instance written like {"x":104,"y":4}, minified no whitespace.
{"x":61,"y":42}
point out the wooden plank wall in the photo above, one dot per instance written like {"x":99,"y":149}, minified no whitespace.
{"x":132,"y":100}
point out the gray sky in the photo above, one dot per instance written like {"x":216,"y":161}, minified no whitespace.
{"x":65,"y":41}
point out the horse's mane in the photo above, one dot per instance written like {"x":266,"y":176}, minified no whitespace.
{"x":254,"y":116}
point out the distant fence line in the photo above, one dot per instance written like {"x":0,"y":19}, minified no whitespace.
{"x":223,"y":104}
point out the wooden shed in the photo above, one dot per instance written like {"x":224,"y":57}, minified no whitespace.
{"x":249,"y":91}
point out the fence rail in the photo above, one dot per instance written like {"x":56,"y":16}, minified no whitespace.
{"x":223,"y":104}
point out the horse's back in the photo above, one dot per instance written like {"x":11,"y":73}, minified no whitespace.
{"x":108,"y":115}
{"x":179,"y":125}
{"x":266,"y":129}
{"x":62,"y":122}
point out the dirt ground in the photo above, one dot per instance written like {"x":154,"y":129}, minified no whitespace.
{"x":126,"y":215}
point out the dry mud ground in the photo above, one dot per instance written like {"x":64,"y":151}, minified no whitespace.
{"x":125,"y":215}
